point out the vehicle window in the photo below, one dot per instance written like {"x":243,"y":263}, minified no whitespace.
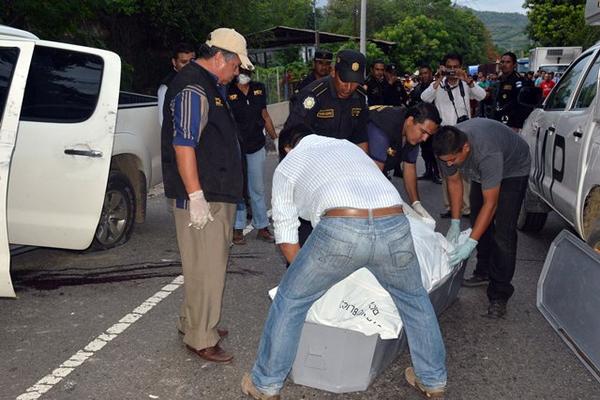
{"x":8,"y":60}
{"x":558,"y":99}
{"x":62,"y":86}
{"x":587,"y":92}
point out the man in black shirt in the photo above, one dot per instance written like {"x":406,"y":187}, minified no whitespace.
{"x":334,"y":106}
{"x":506,"y":108}
{"x":394,"y":93}
{"x":248,"y":102}
{"x":375,"y":84}
{"x":321,"y":68}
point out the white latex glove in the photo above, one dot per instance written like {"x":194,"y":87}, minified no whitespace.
{"x":454,"y":231}
{"x":419,"y":209}
{"x":199,"y":210}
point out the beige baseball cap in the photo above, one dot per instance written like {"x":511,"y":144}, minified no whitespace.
{"x":230,"y":40}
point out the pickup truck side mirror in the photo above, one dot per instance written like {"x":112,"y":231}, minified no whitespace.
{"x":530,"y":97}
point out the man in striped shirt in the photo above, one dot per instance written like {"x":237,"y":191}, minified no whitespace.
{"x":359,"y":222}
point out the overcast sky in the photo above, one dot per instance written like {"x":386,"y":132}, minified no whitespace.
{"x":494,"y":5}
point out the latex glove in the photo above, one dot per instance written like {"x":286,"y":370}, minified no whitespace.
{"x":199,"y":210}
{"x":419,"y":209}
{"x":454,"y":231}
{"x":462,"y":252}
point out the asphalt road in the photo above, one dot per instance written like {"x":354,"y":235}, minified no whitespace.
{"x":101,"y":325}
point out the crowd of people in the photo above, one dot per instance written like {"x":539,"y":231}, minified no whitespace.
{"x":334,"y":211}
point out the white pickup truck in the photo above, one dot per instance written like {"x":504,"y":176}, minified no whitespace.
{"x":76,"y":156}
{"x":564,"y":139}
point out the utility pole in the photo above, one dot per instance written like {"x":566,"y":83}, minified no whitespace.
{"x":363,"y":27}
{"x":316,"y":27}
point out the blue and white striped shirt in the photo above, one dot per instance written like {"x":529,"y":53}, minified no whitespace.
{"x":322,"y":173}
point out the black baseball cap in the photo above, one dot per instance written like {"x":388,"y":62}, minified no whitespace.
{"x":391,"y":68}
{"x":323,"y":55}
{"x":350,"y":66}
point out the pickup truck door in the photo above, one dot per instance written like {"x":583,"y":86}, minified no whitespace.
{"x":548,"y":155}
{"x":573,"y":132}
{"x":63,"y":150}
{"x":15,"y":57}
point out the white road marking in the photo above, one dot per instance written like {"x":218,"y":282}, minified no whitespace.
{"x":50,"y":380}
{"x":68,"y":366}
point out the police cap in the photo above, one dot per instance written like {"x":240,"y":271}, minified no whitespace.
{"x":350,"y":66}
{"x":323,"y":55}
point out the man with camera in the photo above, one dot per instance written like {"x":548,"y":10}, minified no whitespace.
{"x":452,"y":91}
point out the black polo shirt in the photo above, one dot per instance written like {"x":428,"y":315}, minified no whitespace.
{"x":318,"y":107}
{"x":247,"y":110}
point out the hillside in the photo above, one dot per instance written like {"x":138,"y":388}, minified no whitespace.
{"x":507,"y":29}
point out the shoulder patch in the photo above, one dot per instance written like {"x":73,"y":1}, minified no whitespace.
{"x":258,"y":92}
{"x":317,"y":87}
{"x":233,"y":96}
{"x":218,"y":102}
{"x":308,"y":102}
{"x":518,"y":84}
{"x":356,"y":111}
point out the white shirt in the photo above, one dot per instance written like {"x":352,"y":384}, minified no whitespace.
{"x":322,"y":173}
{"x":444,"y":105}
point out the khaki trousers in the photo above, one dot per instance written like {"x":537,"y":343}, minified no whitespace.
{"x":204,"y":254}
{"x":466,"y":207}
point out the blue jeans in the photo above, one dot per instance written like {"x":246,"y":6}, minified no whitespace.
{"x":256,"y":190}
{"x":337,"y":247}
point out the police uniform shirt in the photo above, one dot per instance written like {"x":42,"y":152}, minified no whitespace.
{"x":247,"y":110}
{"x":386,"y":142}
{"x":394,"y":94}
{"x":308,"y":79}
{"x":319,"y":108}
{"x":375,"y":91}
{"x":507,"y":109}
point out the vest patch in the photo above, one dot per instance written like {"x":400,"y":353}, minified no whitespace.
{"x":218,"y":102}
{"x":507,"y":87}
{"x":327,"y":113}
{"x":356,"y":111}
{"x":233,"y":97}
{"x":258,"y":92}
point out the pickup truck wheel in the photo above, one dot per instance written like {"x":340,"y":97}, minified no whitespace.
{"x":118,"y":213}
{"x":594,"y":238}
{"x":531,"y":221}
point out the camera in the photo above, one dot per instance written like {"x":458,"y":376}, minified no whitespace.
{"x":449,"y":72}
{"x":462,"y":119}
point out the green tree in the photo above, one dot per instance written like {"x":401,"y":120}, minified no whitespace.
{"x":559,"y":23}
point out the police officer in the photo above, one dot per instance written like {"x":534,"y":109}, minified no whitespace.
{"x":394,"y":93}
{"x":321,"y":68}
{"x":394,"y":136}
{"x":375,"y":83}
{"x":506,"y":108}
{"x":334,"y":106}
{"x":248,"y":101}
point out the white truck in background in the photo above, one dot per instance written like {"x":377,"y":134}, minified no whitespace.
{"x":76,"y":156}
{"x":553,"y":59}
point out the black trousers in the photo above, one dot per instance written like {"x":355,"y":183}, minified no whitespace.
{"x":431,"y":167}
{"x":497,"y":248}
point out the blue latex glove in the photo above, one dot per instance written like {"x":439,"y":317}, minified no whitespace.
{"x":462,"y":252}
{"x":454,"y":231}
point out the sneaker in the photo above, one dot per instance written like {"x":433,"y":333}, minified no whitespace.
{"x":264,"y":235}
{"x":476,"y":280}
{"x":496,"y":309}
{"x":238,"y":237}
{"x":249,"y":389}
{"x":428,"y":393}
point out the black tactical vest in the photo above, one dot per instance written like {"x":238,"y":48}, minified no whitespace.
{"x":218,"y":154}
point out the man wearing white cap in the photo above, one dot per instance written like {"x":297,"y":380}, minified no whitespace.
{"x":202,"y":175}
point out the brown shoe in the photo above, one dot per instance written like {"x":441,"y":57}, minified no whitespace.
{"x":222,"y":332}
{"x":214,"y":354}
{"x":238,"y":237}
{"x":249,"y":389}
{"x":264,"y":235}
{"x":428,"y":393}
